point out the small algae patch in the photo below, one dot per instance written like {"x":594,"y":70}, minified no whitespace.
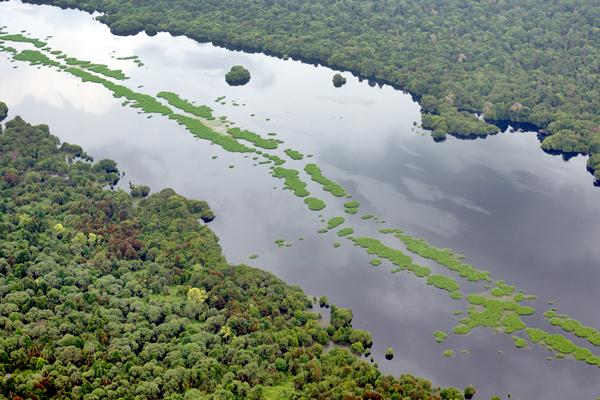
{"x":440,"y":336}
{"x":174,"y":100}
{"x":336,"y":244}
{"x":345,"y":232}
{"x":253,"y":256}
{"x":376,"y":262}
{"x":328,"y":185}
{"x":291,"y":180}
{"x":335,"y":222}
{"x":449,"y":353}
{"x":519,"y":342}
{"x":257,"y":140}
{"x":367,"y":216}
{"x":351,"y":207}
{"x":274,"y":159}
{"x":314,"y":204}
{"x":293,"y":154}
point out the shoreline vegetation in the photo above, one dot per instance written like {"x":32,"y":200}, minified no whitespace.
{"x":499,"y":308}
{"x":452,"y":58}
{"x":108,"y":297}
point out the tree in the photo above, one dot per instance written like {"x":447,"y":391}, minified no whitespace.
{"x":237,"y":76}
{"x":338,"y":80}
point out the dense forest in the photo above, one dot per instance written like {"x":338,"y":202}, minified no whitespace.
{"x":109,"y":295}
{"x":533,"y":62}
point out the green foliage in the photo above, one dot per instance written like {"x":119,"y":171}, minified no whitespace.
{"x":3,"y":111}
{"x":104,"y":297}
{"x":237,"y":76}
{"x":389,"y":353}
{"x":338,"y":80}
{"x":23,"y":39}
{"x":140,"y":191}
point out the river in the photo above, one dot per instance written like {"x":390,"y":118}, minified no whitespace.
{"x":530,"y":218}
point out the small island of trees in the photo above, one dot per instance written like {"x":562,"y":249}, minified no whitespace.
{"x":338,"y":80}
{"x":237,"y":76}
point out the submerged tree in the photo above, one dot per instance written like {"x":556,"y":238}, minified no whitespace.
{"x":237,"y":76}
{"x":339,"y":80}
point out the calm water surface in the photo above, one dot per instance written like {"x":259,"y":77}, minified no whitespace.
{"x":530,"y":218}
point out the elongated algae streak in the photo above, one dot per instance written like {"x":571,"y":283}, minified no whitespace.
{"x":257,"y":140}
{"x":145,"y":102}
{"x":562,"y":345}
{"x":202,"y":131}
{"x":291,"y":180}
{"x":328,"y":185}
{"x":175,"y":101}
{"x":23,"y":39}
{"x":571,"y":325}
{"x":444,"y":257}
{"x":397,"y":257}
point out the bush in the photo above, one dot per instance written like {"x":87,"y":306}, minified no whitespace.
{"x":338,"y":80}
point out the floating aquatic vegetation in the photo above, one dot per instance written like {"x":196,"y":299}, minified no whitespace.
{"x":345,"y":232}
{"x":314,"y":204}
{"x":291,"y":180}
{"x":335,"y":222}
{"x":293,"y":154}
{"x":328,"y":185}
{"x":184,"y":105}
{"x":440,"y":336}
{"x":443,"y":282}
{"x":444,"y":257}
{"x":253,"y":138}
{"x":449,"y":353}
{"x":376,"y":262}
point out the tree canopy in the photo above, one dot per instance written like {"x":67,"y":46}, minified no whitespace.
{"x":107,"y":296}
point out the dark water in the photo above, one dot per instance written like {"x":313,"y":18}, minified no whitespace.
{"x":530,"y":218}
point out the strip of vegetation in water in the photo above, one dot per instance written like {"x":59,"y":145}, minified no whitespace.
{"x":202,"y":131}
{"x":445,"y":257}
{"x":254,"y":138}
{"x":328,"y":185}
{"x":291,"y":180}
{"x":402,"y":261}
{"x":440,"y":336}
{"x":23,"y":39}
{"x":97,"y":68}
{"x":562,"y":345}
{"x":573,"y":326}
{"x":184,"y":105}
